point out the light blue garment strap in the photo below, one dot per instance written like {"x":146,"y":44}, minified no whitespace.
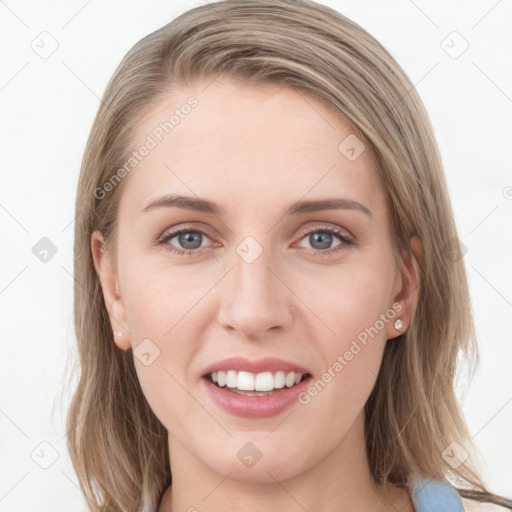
{"x":435,"y":496}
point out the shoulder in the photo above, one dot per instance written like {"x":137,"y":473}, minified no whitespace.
{"x":477,"y":506}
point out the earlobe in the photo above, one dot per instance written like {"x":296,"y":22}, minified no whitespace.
{"x":109,"y":286}
{"x":408,"y":295}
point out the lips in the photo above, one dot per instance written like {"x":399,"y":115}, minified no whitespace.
{"x":256,"y":374}
{"x":254,"y":404}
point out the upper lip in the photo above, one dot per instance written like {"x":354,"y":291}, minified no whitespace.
{"x":267,"y":364}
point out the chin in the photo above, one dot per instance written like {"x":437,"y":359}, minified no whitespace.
{"x":260,"y":473}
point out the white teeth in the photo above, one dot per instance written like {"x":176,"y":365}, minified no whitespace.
{"x":290,"y":379}
{"x":231,"y":379}
{"x":245,"y":381}
{"x":280,"y":379}
{"x":264,"y":381}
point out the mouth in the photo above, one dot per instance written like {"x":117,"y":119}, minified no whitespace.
{"x":251,"y":384}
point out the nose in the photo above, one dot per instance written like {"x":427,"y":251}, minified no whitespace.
{"x":255,"y":297}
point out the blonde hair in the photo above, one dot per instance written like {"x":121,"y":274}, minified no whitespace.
{"x":117,"y":445}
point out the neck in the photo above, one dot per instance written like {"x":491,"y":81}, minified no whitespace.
{"x":340,"y":479}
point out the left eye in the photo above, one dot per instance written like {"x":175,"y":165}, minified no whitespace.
{"x":324,"y":237}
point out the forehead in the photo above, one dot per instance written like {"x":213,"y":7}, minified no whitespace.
{"x":246,"y":144}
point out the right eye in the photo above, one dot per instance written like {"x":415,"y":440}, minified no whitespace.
{"x":190,"y":239}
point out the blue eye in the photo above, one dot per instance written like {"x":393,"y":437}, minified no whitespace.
{"x":187,"y":237}
{"x":324,"y":240}
{"x":191,"y":240}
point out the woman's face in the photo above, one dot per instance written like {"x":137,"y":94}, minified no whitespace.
{"x":311,"y":286}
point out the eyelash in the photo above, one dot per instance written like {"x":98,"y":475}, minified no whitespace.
{"x":345,"y":239}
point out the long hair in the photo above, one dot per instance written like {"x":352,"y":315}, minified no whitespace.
{"x":117,"y":445}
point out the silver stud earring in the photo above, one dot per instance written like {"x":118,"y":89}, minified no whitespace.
{"x":399,"y":324}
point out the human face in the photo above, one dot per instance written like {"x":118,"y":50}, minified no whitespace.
{"x":254,"y":284}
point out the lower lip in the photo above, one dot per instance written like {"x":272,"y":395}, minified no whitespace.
{"x":255,"y":406}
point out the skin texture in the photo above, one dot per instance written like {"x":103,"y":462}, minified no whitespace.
{"x":255,"y":151}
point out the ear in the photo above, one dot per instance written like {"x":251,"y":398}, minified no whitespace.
{"x":409,"y":286}
{"x":110,"y":288}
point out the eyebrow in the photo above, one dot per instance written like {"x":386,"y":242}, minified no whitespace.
{"x":296,"y":208}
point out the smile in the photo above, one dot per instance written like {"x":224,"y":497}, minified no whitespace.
{"x":241,"y":381}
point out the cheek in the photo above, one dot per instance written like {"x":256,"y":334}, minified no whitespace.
{"x":354,"y":310}
{"x":165,"y":391}
{"x":159,"y":312}
{"x":158,"y":298}
{"x":351,"y":298}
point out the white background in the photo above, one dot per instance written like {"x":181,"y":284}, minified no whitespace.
{"x":47,"y":109}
